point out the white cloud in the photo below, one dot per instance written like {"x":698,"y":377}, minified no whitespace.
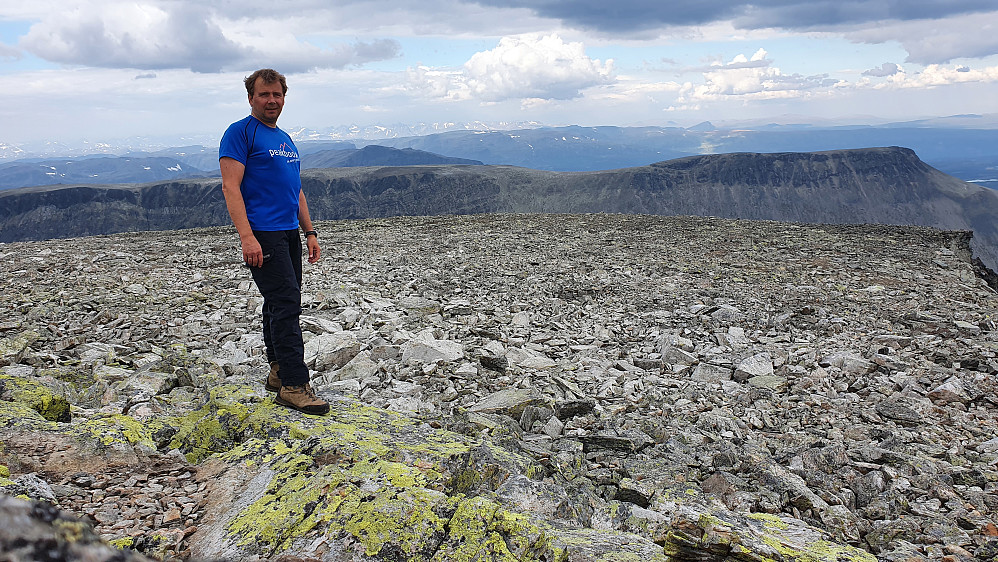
{"x":524,"y":67}
{"x":133,"y":35}
{"x":177,"y":35}
{"x":886,"y":69}
{"x":938,"y":75}
{"x":749,"y":78}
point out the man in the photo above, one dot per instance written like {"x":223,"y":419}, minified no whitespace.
{"x":261,"y":182}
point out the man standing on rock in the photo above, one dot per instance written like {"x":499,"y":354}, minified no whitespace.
{"x":261,"y":181}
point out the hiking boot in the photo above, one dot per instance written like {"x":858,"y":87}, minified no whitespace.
{"x":303,"y":399}
{"x":273,"y":382}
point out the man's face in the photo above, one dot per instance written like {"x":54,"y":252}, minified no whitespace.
{"x":267,"y":101}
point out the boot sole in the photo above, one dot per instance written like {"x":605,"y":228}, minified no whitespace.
{"x":270,"y":388}
{"x":313,"y":410}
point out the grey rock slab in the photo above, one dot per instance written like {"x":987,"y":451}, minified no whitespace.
{"x":360,"y":367}
{"x":769,"y":382}
{"x":331,"y":351}
{"x":758,"y":365}
{"x":623,"y":441}
{"x":529,"y":359}
{"x":510,"y":401}
{"x":432,"y":351}
{"x":849,"y":362}
{"x":707,"y":372}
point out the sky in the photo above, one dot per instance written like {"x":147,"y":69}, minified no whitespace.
{"x":101,"y":71}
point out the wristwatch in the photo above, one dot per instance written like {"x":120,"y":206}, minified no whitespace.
{"x":311,"y":233}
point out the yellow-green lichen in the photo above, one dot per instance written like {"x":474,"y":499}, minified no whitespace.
{"x":11,"y":348}
{"x":818,"y":551}
{"x":78,"y":378}
{"x":38,"y":397}
{"x":770,"y":521}
{"x":116,"y":428}
{"x":232,"y":414}
{"x":377,"y":501}
{"x":406,"y":519}
{"x":480,"y":528}
{"x":122,"y":543}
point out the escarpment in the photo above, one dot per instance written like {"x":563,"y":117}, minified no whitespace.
{"x":873,"y":185}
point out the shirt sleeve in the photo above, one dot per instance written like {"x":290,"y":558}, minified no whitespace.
{"x":233,"y":144}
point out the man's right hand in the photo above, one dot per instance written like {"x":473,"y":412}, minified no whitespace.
{"x":252,"y":252}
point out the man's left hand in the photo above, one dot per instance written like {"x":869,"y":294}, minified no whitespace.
{"x":313,"y":248}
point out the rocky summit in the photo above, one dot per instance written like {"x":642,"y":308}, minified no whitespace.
{"x":507,"y":387}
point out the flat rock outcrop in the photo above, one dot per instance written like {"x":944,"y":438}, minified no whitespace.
{"x":531,"y":387}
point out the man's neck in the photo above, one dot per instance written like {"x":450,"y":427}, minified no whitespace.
{"x":271,"y":125}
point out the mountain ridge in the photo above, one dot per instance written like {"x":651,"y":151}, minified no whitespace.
{"x":884,"y":185}
{"x":962,"y":146}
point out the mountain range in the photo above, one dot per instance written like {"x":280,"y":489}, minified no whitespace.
{"x":962,"y":146}
{"x":195,"y":162}
{"x":875,"y":185}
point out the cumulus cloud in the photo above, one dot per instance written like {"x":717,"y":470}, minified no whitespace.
{"x":886,"y":69}
{"x":758,"y":60}
{"x":939,"y":75}
{"x":526,"y":67}
{"x":746,"y":78}
{"x":152,"y":36}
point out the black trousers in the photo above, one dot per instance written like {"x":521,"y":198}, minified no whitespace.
{"x":279,"y":281}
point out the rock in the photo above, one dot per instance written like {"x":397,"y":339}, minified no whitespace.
{"x":759,"y":365}
{"x":432,"y":351}
{"x":510,"y":402}
{"x":633,"y":491}
{"x":12,"y":349}
{"x":331,"y":351}
{"x":540,"y":498}
{"x":706,"y":372}
{"x":771,"y":382}
{"x":529,"y":359}
{"x":849,"y":362}
{"x":553,"y":428}
{"x":38,"y":397}
{"x":950,"y":391}
{"x":35,"y":530}
{"x":360,"y":367}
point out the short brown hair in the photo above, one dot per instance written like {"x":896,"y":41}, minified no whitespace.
{"x":269,"y":76}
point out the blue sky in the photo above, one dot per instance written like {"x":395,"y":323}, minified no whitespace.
{"x":95,"y":72}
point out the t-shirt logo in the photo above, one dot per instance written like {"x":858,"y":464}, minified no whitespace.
{"x":285,"y":152}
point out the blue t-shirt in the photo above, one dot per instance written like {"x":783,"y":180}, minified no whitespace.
{"x":272,"y":180}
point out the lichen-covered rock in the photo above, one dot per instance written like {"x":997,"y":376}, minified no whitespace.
{"x":361,"y":481}
{"x":756,"y":537}
{"x":12,"y":348}
{"x":37,"y":396}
